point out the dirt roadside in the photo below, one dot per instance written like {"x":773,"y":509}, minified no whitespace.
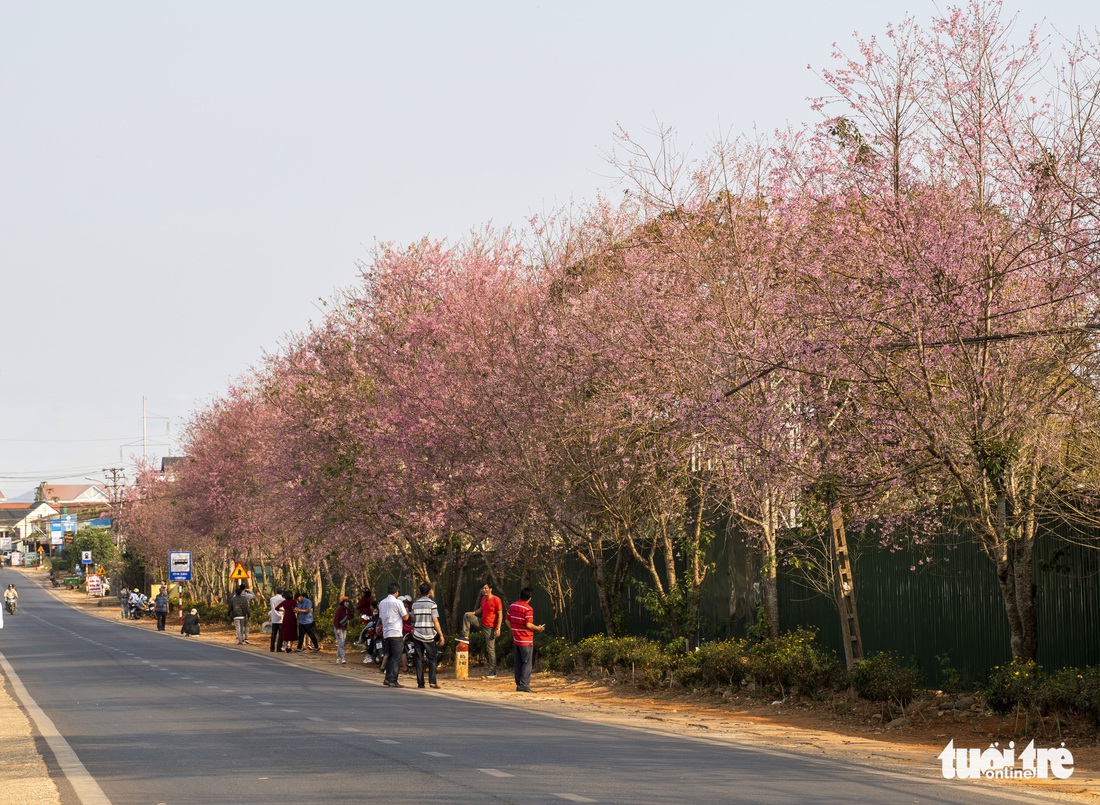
{"x":841,"y":729}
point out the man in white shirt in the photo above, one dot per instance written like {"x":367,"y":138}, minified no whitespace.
{"x":275,"y":617}
{"x":392,"y":613}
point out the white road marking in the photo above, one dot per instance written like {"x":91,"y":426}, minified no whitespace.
{"x":388,"y":741}
{"x":246,"y":697}
{"x":496,"y":773}
{"x":86,"y":788}
{"x":435,"y":754}
{"x":574,"y":797}
{"x":314,"y":718}
{"x":350,"y":729}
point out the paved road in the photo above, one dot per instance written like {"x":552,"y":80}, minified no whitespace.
{"x":157,"y":718}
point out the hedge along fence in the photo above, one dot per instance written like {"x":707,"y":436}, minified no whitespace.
{"x":795,"y":664}
{"x":1024,"y":688}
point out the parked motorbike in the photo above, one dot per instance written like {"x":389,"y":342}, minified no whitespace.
{"x":371,"y":639}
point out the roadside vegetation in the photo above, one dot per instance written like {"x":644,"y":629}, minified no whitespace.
{"x":879,"y":325}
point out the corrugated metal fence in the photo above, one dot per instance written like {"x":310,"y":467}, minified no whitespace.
{"x":946,"y":612}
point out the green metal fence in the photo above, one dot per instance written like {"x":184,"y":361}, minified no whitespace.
{"x":947,"y":612}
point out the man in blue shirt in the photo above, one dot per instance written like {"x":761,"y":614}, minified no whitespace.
{"x":305,"y":622}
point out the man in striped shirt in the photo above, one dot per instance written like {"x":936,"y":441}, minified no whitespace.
{"x":521,"y":620}
{"x":427,"y":636}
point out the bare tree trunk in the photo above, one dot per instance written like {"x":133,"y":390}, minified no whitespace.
{"x":770,"y":565}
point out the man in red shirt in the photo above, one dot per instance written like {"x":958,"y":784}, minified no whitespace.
{"x":491,"y":612}
{"x":521,"y":620}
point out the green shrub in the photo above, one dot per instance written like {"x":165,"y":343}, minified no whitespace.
{"x":1016,"y":686}
{"x":952,"y":681}
{"x":884,"y":677}
{"x":720,"y":664}
{"x":1071,"y":691}
{"x":559,"y":655}
{"x":643,"y":660}
{"x":793,"y":663}
{"x":209,"y":614}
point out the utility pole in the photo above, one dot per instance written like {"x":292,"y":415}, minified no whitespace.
{"x":117,"y":476}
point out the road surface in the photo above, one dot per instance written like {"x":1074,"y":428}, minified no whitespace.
{"x":159,"y":718}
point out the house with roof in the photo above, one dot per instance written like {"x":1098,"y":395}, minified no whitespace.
{"x":78,"y":495}
{"x":23,"y":525}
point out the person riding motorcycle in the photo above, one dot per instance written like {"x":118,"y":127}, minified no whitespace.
{"x":11,"y":596}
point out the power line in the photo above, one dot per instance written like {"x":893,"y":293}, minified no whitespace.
{"x":67,"y":441}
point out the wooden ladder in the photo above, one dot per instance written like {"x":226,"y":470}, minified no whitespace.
{"x":845,"y":589}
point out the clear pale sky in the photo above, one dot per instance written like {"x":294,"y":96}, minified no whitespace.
{"x":180,"y":183}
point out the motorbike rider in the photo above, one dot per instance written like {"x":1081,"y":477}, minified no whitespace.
{"x":137,"y":603}
{"x":365,"y":608}
{"x":11,"y":596}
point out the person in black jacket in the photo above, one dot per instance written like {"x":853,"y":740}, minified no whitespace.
{"x":238,"y":611}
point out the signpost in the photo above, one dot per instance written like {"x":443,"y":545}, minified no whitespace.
{"x":239,"y":573}
{"x":95,"y":584}
{"x":179,"y":569}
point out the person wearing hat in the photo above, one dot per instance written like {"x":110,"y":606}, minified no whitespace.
{"x":190,"y":624}
{"x":341,"y":619}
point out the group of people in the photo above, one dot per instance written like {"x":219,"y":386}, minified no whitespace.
{"x":291,"y":617}
{"x":427,"y":634}
{"x":292,"y":621}
{"x":520,"y":619}
{"x":133,"y":602}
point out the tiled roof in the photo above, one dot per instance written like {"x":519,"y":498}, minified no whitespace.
{"x":70,"y":493}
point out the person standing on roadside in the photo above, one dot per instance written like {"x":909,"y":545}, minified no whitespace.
{"x":275,"y":618}
{"x":490,"y":610}
{"x":521,"y":620}
{"x":341,"y":619}
{"x":392,"y":613}
{"x":427,"y":636}
{"x":239,"y":611}
{"x":124,"y":602}
{"x":288,"y":630}
{"x":304,"y":611}
{"x":160,"y":607}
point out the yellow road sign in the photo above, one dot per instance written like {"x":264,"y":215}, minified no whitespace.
{"x":239,"y":573}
